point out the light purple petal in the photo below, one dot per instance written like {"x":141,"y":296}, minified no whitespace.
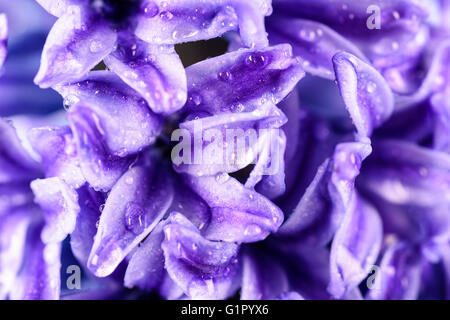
{"x":137,"y":202}
{"x":3,"y":38}
{"x":238,"y":214}
{"x":178,"y":21}
{"x":355,"y":247}
{"x":204,"y":269}
{"x":56,"y":7}
{"x":321,"y":209}
{"x":314,"y":43}
{"x":366,"y":94}
{"x":39,"y":278}
{"x":76,"y":43}
{"x":154,"y":71}
{"x":59,"y":202}
{"x":58,"y":153}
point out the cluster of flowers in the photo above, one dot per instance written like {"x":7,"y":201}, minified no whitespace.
{"x":359,"y":206}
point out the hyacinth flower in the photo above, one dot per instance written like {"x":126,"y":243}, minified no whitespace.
{"x":136,"y":39}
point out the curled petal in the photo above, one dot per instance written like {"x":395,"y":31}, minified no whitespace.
{"x":238,"y":214}
{"x":39,"y":278}
{"x":13,"y":232}
{"x":3,"y":37}
{"x":58,"y":154}
{"x":355,"y":247}
{"x":137,"y":202}
{"x":321,"y":209}
{"x":59,"y":202}
{"x":154,"y":71}
{"x":16,"y":164}
{"x":314,"y":43}
{"x":184,"y":21}
{"x":204,"y":269}
{"x":76,"y":43}
{"x":100,"y":168}
{"x":146,"y":267}
{"x":120,"y":115}
{"x":441,"y":113}
{"x":366,"y":94}
{"x":398,"y":276}
{"x":82,"y":238}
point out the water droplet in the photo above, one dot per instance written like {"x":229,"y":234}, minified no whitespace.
{"x":237,"y":107}
{"x":222,"y":177}
{"x":166,"y":15}
{"x":150,"y":9}
{"x":257,"y":60}
{"x":225,"y":76}
{"x":252,"y":230}
{"x":134,"y":218}
{"x":69,"y":101}
{"x":195,"y":99}
{"x":96,"y":46}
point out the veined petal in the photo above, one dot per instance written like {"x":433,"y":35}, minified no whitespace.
{"x":314,"y":43}
{"x":321,"y":209}
{"x":154,"y":71}
{"x":59,"y":202}
{"x":355,"y":247}
{"x":76,"y":43}
{"x":137,"y":202}
{"x":441,"y":114}
{"x":39,"y":278}
{"x":178,"y":21}
{"x":91,"y":205}
{"x":120,"y":115}
{"x":58,"y":153}
{"x":204,"y":269}
{"x":366,"y":94}
{"x":238,"y":214}
{"x":241,"y":81}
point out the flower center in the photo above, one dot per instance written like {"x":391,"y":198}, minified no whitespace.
{"x":116,"y":11}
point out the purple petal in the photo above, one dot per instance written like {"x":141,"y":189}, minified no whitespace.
{"x":39,"y":278}
{"x":146,"y":267}
{"x":120,"y":115}
{"x":82,"y":237}
{"x":3,"y":38}
{"x":314,"y":43}
{"x":155,"y":72}
{"x":184,"y":21}
{"x":366,"y":94}
{"x":238,"y":214}
{"x":59,"y":202}
{"x":15,"y":162}
{"x":324,"y":203}
{"x":58,"y":153}
{"x":204,"y":269}
{"x":355,"y":247}
{"x":441,"y":112}
{"x":398,"y":277}
{"x":13,"y":231}
{"x":76,"y":43}
{"x":242,"y":80}
{"x":137,"y":202}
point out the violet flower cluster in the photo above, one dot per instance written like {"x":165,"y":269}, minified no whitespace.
{"x":343,"y":188}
